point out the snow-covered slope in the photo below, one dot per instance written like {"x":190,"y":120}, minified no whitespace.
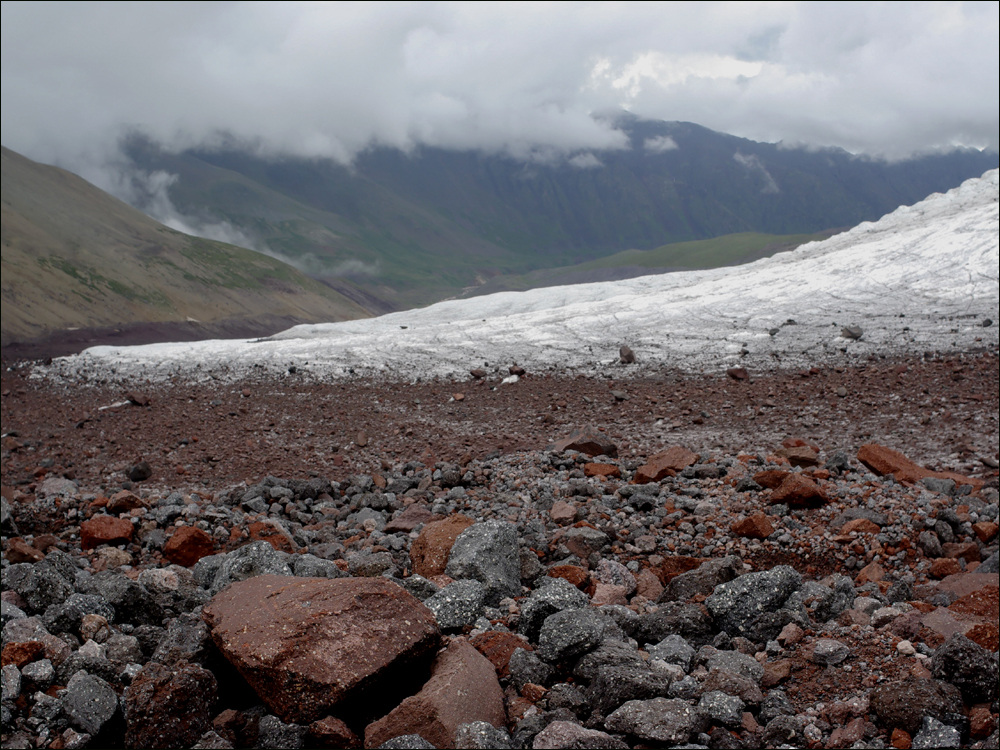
{"x":924,"y":277}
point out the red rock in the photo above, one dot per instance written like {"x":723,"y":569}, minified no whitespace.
{"x":986,"y":634}
{"x":648,"y":585}
{"x":562,"y":512}
{"x":187,"y":545}
{"x":409,"y":519}
{"x":124,"y":502}
{"x":572,"y":573}
{"x":944,"y":566}
{"x":985,"y":530}
{"x":533,"y":692}
{"x":478,"y":373}
{"x":738,"y":373}
{"x":273,"y":535}
{"x":601,"y":470}
{"x":609,"y":593}
{"x":105,"y":530}
{"x":901,"y":739}
{"x":674,"y":565}
{"x":770,"y":479}
{"x":332,"y":732}
{"x":757,"y":526}
{"x":847,"y":735}
{"x":981,"y":722}
{"x":776,"y":672}
{"x":463,"y":688}
{"x":664,"y":464}
{"x":884,"y":461}
{"x":799,"y":455}
{"x":799,"y":490}
{"x":168,"y":706}
{"x":429,"y":551}
{"x":872,"y":572}
{"x":19,"y":551}
{"x":499,"y":647}
{"x":860,"y":525}
{"x":586,"y":440}
{"x":968,"y":550}
{"x":306,"y":644}
{"x":21,"y":654}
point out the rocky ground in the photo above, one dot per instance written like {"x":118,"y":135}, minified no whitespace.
{"x":641,"y":558}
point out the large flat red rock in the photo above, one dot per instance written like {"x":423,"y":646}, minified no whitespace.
{"x":463,"y":688}
{"x":665,"y":463}
{"x":883,"y":461}
{"x":307,"y":644}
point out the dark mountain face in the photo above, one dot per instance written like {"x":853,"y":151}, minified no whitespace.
{"x":420,"y":226}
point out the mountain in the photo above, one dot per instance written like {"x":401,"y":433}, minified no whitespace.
{"x":921,"y":279}
{"x":416,"y":227}
{"x":73,"y":257}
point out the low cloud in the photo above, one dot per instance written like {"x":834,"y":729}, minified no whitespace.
{"x":756,"y":167}
{"x":659,"y":144}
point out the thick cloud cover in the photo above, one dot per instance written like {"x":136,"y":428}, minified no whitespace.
{"x":330,"y":79}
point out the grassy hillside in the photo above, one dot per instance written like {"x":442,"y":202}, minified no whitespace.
{"x":728,"y":250}
{"x":75,"y":257}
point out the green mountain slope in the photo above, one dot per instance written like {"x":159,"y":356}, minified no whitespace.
{"x":413,"y":228}
{"x":75,"y":257}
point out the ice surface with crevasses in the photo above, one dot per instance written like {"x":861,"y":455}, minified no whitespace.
{"x":924,"y":277}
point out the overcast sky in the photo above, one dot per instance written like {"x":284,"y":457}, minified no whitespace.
{"x":331,"y":79}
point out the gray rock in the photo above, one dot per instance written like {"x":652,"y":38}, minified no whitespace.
{"x":904,"y":703}
{"x":775,"y":704}
{"x":939,"y":485}
{"x":742,"y":606}
{"x":737,"y":663}
{"x":611,"y":653}
{"x":968,"y":666}
{"x":10,"y":612}
{"x":123,"y":649}
{"x":614,"y":686}
{"x":583,"y":541}
{"x":570,"y":633}
{"x":553,"y":595}
{"x":825,"y":602}
{"x":186,"y":639}
{"x":990,"y":565}
{"x":7,"y":524}
{"x":369,"y":564}
{"x":568,"y":735}
{"x":40,"y":585}
{"x":625,"y":618}
{"x":212,"y":741}
{"x":132,"y":602}
{"x":703,"y":579}
{"x":48,"y":712}
{"x":420,"y":587}
{"x":828,"y":651}
{"x":481,"y":735}
{"x":674,"y":650}
{"x":784,"y":731}
{"x":665,"y":720}
{"x":525,"y":667}
{"x":457,"y":604}
{"x":66,"y":616}
{"x":687,"y":620}
{"x":10,"y":682}
{"x":488,"y":552}
{"x":274,"y":733}
{"x":929,"y":544}
{"x":310,"y":566}
{"x":934,"y":734}
{"x":249,"y":561}
{"x":407,"y":742}
{"x":32,"y":629}
{"x":90,"y":702}
{"x":720,"y":708}
{"x":40,"y":673}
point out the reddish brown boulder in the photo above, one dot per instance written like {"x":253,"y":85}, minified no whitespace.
{"x":601,"y":470}
{"x":124,"y":502}
{"x":22,"y":654}
{"x":968,"y":550}
{"x":332,"y":732}
{"x":188,"y":545}
{"x":499,"y":647}
{"x":586,"y":440}
{"x":985,"y":530}
{"x":105,"y":530}
{"x":738,"y":373}
{"x":800,"y":455}
{"x":861,"y":526}
{"x":429,"y":551}
{"x":463,"y":688}
{"x":757,"y":526}
{"x":799,"y":490}
{"x":770,"y":479}
{"x":884,"y":461}
{"x":562,"y":512}
{"x":272,"y":534}
{"x":944,"y":566}
{"x":168,"y":706}
{"x":572,"y":573}
{"x":871,"y":573}
{"x":409,"y":519}
{"x":19,"y":551}
{"x":664,"y":464}
{"x":305,"y":644}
